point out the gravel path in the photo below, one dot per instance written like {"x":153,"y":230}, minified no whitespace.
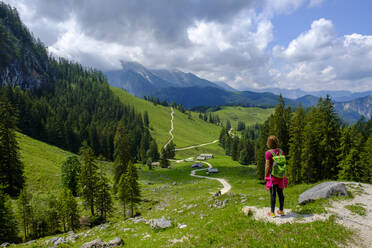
{"x":171,"y":129}
{"x":191,"y":147}
{"x":226,"y":186}
{"x":361,"y":224}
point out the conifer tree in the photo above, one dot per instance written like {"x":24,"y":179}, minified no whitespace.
{"x":11,"y":167}
{"x":68,"y":210}
{"x":281,"y":124}
{"x":228,"y":125}
{"x":153,"y":151}
{"x":122,"y":153}
{"x":8,"y":224}
{"x":123,"y":192}
{"x":310,"y":157}
{"x":366,"y":160}
{"x":235,"y":148}
{"x":88,"y":178}
{"x":351,"y":167}
{"x":330,"y":138}
{"x":24,"y":212}
{"x":295,"y":146}
{"x":71,"y":168}
{"x":146,"y":118}
{"x":103,"y":197}
{"x":170,"y":150}
{"x":164,"y":163}
{"x":134,"y":190}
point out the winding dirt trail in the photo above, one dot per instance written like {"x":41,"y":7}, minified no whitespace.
{"x":171,"y":129}
{"x":191,"y":147}
{"x":226,"y":186}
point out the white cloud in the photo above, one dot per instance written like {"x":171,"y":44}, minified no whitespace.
{"x":319,"y":59}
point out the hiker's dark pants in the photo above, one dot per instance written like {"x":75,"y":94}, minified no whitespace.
{"x":273,"y":191}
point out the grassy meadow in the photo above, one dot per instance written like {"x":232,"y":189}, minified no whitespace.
{"x":187,"y":132}
{"x":172,"y":193}
{"x":248,"y":115}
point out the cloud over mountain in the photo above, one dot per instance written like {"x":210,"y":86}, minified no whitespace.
{"x":230,"y":41}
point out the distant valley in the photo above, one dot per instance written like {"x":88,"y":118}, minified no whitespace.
{"x":193,"y":91}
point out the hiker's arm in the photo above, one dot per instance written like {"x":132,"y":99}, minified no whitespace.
{"x":267,"y":167}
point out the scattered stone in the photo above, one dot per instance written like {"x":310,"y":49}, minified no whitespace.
{"x":139,"y":219}
{"x":55,"y":241}
{"x":192,"y":206}
{"x":323,"y":190}
{"x":247,"y":211}
{"x":5,"y":244}
{"x":174,"y":183}
{"x":202,"y":216}
{"x":103,"y":227}
{"x":146,"y":236}
{"x":243,"y":200}
{"x":161,"y":223}
{"x":115,"y":242}
{"x":180,"y":211}
{"x":97,"y":243}
{"x":261,"y":198}
{"x":30,"y":242}
{"x":127,"y":229}
{"x":173,"y":241}
{"x":217,"y":194}
{"x":181,"y":226}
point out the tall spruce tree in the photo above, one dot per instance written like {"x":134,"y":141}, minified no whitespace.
{"x":330,"y":138}
{"x":88,"y":178}
{"x":366,"y":160}
{"x":235,"y":148}
{"x":11,"y":167}
{"x":153,"y":152}
{"x":296,"y":141}
{"x":122,"y":153}
{"x":71,"y":169}
{"x":68,"y":210}
{"x":8,"y":224}
{"x":123,"y":192}
{"x":134,"y":190}
{"x":24,"y":212}
{"x":103,"y":202}
{"x":351,"y":166}
{"x":310,"y":157}
{"x":281,"y":124}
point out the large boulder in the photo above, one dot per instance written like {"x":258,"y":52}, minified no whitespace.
{"x":115,"y":242}
{"x":97,"y":243}
{"x":160,"y":223}
{"x":323,"y":190}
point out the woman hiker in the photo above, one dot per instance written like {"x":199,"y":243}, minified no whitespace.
{"x":273,"y":183}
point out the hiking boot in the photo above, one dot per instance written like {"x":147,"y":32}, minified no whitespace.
{"x":280,"y":212}
{"x":270,"y":214}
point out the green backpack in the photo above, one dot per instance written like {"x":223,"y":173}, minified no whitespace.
{"x":280,"y":164}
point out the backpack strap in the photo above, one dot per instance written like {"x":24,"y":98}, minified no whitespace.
{"x":272,"y":152}
{"x":280,"y":152}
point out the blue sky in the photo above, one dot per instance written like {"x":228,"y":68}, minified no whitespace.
{"x":348,"y":17}
{"x":305,"y":44}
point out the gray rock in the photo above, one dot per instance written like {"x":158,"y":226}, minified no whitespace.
{"x":174,"y":183}
{"x":161,"y":223}
{"x":30,"y":242}
{"x":323,"y":190}
{"x":97,"y":243}
{"x":55,"y":241}
{"x":115,"y":242}
{"x":5,"y":244}
{"x":138,"y":219}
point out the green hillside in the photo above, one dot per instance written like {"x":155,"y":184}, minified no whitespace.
{"x":186,"y":131}
{"x":249,"y":115}
{"x":42,"y":163}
